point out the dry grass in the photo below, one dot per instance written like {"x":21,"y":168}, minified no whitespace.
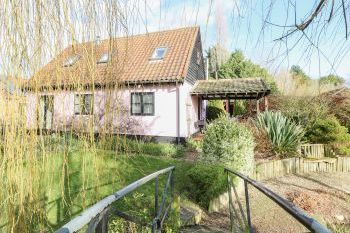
{"x":290,"y":87}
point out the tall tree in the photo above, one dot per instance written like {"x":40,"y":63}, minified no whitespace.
{"x":237,"y":66}
{"x":299,"y":76}
{"x":332,"y":79}
{"x":217,"y":56}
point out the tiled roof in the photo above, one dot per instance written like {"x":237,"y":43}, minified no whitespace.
{"x":130,"y":60}
{"x":241,"y":88}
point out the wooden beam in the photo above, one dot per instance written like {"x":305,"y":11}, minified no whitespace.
{"x":257,"y":106}
{"x":200,"y":103}
{"x":266,"y":100}
{"x":233,"y":107}
{"x":227,"y":105}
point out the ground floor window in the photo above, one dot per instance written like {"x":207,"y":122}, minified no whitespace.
{"x":142,"y":103}
{"x":83,"y":104}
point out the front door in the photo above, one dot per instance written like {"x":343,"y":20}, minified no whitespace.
{"x":46,"y":112}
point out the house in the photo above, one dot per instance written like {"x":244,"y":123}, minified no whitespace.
{"x":151,"y":85}
{"x":135,"y":85}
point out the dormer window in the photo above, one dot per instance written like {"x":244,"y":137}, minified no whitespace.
{"x":71,"y":60}
{"x":159,"y":53}
{"x":104,"y":58}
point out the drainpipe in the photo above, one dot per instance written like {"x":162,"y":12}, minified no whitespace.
{"x":177,"y":113}
{"x":203,"y":109}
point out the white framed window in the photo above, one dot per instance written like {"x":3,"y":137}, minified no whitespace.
{"x":142,"y":103}
{"x":159,"y":53}
{"x":104,"y":58}
{"x":70,"y":61}
{"x":83,"y":104}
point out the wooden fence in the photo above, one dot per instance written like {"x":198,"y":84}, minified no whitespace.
{"x":316,"y":151}
{"x":278,"y":168}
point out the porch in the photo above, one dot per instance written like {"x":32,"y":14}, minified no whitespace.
{"x":253,"y":89}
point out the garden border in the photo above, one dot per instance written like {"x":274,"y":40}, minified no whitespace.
{"x":278,"y":168}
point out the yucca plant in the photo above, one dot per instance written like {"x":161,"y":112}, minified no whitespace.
{"x":284,"y":134}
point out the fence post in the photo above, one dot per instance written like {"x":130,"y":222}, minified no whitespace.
{"x":156,"y":198}
{"x":247,"y":205}
{"x":102,"y":226}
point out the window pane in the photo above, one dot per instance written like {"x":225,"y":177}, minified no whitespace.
{"x":77,"y":105}
{"x":136,"y":103}
{"x":148,"y":98}
{"x":159,"y":53}
{"x":136,"y":108}
{"x":104,"y":58}
{"x":88,"y":104}
{"x":148,"y":109}
{"x":136,"y":98}
{"x":71,"y":60}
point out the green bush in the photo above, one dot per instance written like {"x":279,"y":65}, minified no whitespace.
{"x":343,"y":150}
{"x":240,"y":107}
{"x":215,"y":109}
{"x":284,"y":135}
{"x":302,"y":110}
{"x":229,"y":143}
{"x":327,"y":130}
{"x":194,"y":145}
{"x":204,"y":183}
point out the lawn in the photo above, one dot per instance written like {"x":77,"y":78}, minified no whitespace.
{"x":65,"y":184}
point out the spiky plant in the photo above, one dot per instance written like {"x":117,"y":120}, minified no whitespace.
{"x":284,"y":134}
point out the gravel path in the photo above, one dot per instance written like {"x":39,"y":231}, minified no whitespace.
{"x":324,"y":196}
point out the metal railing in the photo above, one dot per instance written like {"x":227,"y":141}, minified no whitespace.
{"x":97,"y":216}
{"x":240,"y":217}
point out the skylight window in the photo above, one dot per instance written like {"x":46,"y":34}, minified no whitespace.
{"x":104,"y":58}
{"x":159,"y":53}
{"x":71,"y":61}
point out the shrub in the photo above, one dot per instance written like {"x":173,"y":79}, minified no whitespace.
{"x":284,"y":134}
{"x":215,"y":109}
{"x":229,"y":143}
{"x":343,"y":150}
{"x":302,"y":110}
{"x":204,"y":183}
{"x":194,"y":145}
{"x":327,"y":130}
{"x":240,"y":107}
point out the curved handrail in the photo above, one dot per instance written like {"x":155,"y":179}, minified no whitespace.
{"x":310,"y":223}
{"x":89,"y":214}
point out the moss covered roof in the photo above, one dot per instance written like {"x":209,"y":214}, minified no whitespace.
{"x":238,"y":88}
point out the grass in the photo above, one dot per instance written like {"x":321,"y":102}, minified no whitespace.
{"x":70,"y":183}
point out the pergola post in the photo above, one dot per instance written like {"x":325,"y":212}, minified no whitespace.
{"x":266,"y":100}
{"x":227,"y":105}
{"x":200,"y":104}
{"x":257,"y":106}
{"x":233,"y":107}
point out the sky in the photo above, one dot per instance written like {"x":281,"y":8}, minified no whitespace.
{"x":239,"y":26}
{"x":248,"y":25}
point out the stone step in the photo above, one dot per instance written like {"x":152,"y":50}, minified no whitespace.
{"x":190,"y":216}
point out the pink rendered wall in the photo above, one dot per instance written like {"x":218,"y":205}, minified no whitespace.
{"x":112,"y":111}
{"x":188,"y":111}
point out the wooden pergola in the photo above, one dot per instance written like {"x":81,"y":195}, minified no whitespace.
{"x":232,"y":89}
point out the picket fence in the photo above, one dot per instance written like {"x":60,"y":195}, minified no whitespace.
{"x":278,"y":168}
